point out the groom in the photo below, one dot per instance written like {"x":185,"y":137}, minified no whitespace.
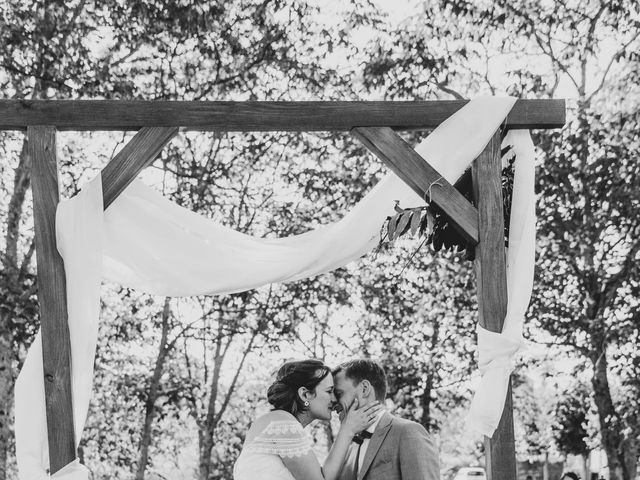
{"x":390,"y":449}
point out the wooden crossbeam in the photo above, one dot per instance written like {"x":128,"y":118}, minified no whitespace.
{"x":141,"y":150}
{"x":258,"y":116}
{"x":491,"y":275}
{"x":52,"y":299}
{"x":425,"y":180}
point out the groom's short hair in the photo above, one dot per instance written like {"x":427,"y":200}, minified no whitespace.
{"x":365,"y":369}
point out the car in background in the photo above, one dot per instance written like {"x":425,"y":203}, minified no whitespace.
{"x":470,"y":473}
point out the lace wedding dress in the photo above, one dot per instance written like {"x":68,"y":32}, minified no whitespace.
{"x":261,"y":458}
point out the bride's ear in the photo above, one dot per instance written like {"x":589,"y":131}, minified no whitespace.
{"x":304,"y":394}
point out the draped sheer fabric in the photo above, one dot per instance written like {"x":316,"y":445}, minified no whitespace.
{"x":146,"y":242}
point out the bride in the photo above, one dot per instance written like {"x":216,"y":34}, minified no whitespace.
{"x":276,"y":446}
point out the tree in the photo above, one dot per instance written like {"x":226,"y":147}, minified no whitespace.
{"x":533,"y":420}
{"x":425,"y":318}
{"x":595,"y":259}
{"x":114,"y":430}
{"x":416,"y":317}
{"x":570,"y":427}
{"x":154,"y":392}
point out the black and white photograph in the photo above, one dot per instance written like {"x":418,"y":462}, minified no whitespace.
{"x":319,"y":240}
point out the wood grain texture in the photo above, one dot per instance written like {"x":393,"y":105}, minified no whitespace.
{"x":423,"y":179}
{"x":499,"y":450}
{"x":140,"y":152}
{"x":258,"y":116}
{"x":491,"y":274}
{"x":486,"y":173}
{"x":52,"y":299}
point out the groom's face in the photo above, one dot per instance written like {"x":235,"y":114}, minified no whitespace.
{"x":346,"y":391}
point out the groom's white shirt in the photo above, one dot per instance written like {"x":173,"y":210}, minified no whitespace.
{"x":365,"y":442}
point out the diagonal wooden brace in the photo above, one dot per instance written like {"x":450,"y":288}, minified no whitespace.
{"x":425,"y":180}
{"x":141,"y":150}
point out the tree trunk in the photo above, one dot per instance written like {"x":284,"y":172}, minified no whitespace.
{"x":152,"y":396}
{"x":545,"y":467}
{"x":607,"y":416}
{"x":622,"y":452}
{"x":6,"y":391}
{"x":586,"y":466}
{"x":206,"y":431}
{"x":629,"y":458}
{"x":204,"y":445}
{"x":206,"y":434}
{"x":425,"y":399}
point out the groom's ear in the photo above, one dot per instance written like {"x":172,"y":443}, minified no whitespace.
{"x":367,"y":388}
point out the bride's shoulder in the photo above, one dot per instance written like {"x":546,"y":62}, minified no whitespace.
{"x":276,"y":416}
{"x":275,"y":422}
{"x":282,"y":414}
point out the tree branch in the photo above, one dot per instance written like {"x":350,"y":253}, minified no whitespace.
{"x":26,"y":260}
{"x":236,"y":375}
{"x":615,"y":281}
{"x":541,"y":42}
{"x":611,"y":62}
{"x":72,"y":21}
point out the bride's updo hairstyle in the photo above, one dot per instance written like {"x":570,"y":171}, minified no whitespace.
{"x":283,"y":393}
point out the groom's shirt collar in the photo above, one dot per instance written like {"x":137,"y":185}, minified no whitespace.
{"x":374,"y":425}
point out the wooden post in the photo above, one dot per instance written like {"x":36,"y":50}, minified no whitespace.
{"x":491,"y":277}
{"x":52,"y":298}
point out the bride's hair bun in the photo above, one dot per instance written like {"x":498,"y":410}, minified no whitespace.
{"x":283,"y":393}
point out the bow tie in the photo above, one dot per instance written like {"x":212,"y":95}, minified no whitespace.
{"x":360,"y":437}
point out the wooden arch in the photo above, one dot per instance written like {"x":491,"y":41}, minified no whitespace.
{"x":373,"y":123}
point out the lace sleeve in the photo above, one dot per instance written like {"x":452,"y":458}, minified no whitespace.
{"x":285,"y":438}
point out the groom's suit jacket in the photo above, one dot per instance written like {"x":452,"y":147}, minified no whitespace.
{"x":398,"y":450}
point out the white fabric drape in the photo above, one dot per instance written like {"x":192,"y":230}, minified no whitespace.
{"x":146,"y":242}
{"x":497,"y":351}
{"x":79,"y":239}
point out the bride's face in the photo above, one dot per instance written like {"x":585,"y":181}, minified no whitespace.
{"x":322,"y":403}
